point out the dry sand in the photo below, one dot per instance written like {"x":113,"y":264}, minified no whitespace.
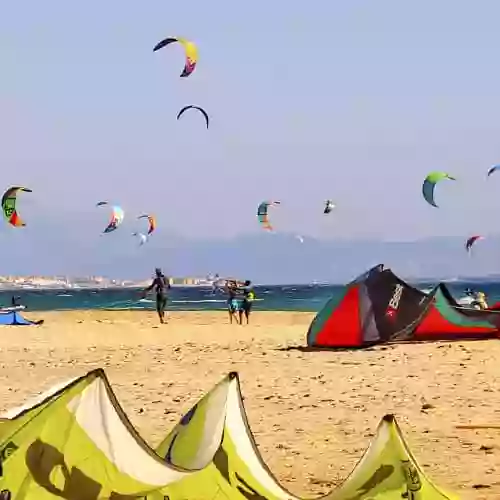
{"x":312,"y":413}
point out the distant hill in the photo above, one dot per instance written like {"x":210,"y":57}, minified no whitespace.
{"x":264,"y":258}
{"x":283,"y":259}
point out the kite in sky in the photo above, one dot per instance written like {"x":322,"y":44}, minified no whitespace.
{"x":430,"y":183}
{"x":189,"y":49}
{"x":201,"y":110}
{"x":470,"y":241}
{"x":9,"y":205}
{"x":329,"y":206}
{"x":262,"y":214}
{"x":151,"y":220}
{"x":117,"y":216}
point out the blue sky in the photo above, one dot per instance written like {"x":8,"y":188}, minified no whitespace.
{"x":355,"y":101}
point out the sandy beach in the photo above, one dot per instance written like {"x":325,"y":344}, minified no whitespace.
{"x":312,"y":413}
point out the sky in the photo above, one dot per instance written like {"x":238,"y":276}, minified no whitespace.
{"x":354,"y":101}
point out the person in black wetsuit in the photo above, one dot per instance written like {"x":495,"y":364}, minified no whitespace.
{"x":161,"y":284}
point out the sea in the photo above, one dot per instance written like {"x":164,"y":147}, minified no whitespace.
{"x":307,"y":298}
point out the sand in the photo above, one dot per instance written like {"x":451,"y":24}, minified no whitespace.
{"x":312,"y":413}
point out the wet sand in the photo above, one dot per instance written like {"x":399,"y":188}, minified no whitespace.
{"x":312,"y":413}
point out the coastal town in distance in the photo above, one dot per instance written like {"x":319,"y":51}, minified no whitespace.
{"x":98,"y":282}
{"x":64,"y":282}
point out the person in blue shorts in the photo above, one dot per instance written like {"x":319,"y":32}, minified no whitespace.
{"x":232,"y":302}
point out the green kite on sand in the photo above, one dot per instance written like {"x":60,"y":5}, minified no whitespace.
{"x":76,"y":443}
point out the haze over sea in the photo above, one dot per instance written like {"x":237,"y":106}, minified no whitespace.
{"x":308,"y":298}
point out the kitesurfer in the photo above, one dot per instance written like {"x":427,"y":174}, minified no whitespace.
{"x":480,"y":301}
{"x":161,"y":284}
{"x":247,"y":302}
{"x":232,"y":302}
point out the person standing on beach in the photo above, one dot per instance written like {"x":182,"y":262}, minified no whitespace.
{"x":161,"y":284}
{"x":247,"y":302}
{"x":232,"y":302}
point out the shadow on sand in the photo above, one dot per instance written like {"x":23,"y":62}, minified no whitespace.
{"x":305,"y":348}
{"x":385,"y":347}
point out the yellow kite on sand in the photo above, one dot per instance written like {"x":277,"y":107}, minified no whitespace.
{"x":76,"y":443}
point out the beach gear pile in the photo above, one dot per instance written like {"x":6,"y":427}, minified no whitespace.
{"x":379,"y":307}
{"x":75,"y":442}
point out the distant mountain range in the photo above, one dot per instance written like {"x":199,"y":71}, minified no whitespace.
{"x":264,"y":258}
{"x":283,"y":259}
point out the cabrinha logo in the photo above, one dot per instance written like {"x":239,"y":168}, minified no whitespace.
{"x":7,"y":450}
{"x":413,"y":482}
{"x":394,"y":302}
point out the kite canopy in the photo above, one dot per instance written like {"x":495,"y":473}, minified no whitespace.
{"x":470,"y":241}
{"x":262,"y":214}
{"x":142,"y":237}
{"x":9,"y":201}
{"x":201,"y":110}
{"x":329,"y":206}
{"x":189,"y":49}
{"x":494,"y":168}
{"x":14,"y":318}
{"x":151,"y":220}
{"x":374,"y":308}
{"x":78,"y":433}
{"x":378,"y":307}
{"x":430,"y":183}
{"x":117,"y":216}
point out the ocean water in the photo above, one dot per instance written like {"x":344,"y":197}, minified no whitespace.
{"x":309,"y":298}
